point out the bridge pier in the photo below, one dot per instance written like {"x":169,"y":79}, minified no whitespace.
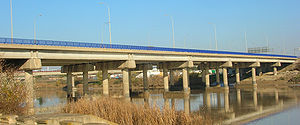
{"x":237,"y":75}
{"x":207,"y":82}
{"x":225,"y":79}
{"x":186,"y":104}
{"x":29,"y":80}
{"x":226,"y":100}
{"x":218,"y":75}
{"x":253,"y":75}
{"x":69,"y":81}
{"x":126,"y":79}
{"x":105,"y":79}
{"x":85,"y":79}
{"x":165,"y":76}
{"x":172,"y":82}
{"x":185,"y":79}
{"x":145,"y":78}
{"x":275,"y":70}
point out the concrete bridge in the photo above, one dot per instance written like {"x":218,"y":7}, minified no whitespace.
{"x":31,"y":55}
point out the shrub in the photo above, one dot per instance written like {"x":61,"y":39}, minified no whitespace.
{"x":13,"y":93}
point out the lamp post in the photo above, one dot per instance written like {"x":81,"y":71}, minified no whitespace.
{"x":109,"y":24}
{"x":34,"y":28}
{"x":11,"y":22}
{"x":246,"y":42}
{"x":215,"y":30}
{"x":172,"y":23}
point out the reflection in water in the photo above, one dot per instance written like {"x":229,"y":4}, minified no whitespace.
{"x":226,"y":106}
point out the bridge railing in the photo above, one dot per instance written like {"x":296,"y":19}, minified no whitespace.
{"x":119,"y":46}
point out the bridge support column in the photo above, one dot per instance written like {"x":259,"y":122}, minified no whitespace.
{"x":105,"y":79}
{"x":218,"y":75}
{"x":207,"y":82}
{"x":237,"y":74}
{"x":203,"y":75}
{"x":126,"y":79}
{"x":225,"y":79}
{"x":73,"y":86}
{"x":185,"y":80}
{"x":207,"y":100}
{"x":275,"y":70}
{"x":145,"y":78}
{"x":238,"y":96}
{"x":172,"y":77}
{"x":29,"y":80}
{"x":165,"y":75}
{"x":85,"y":79}
{"x":69,"y":81}
{"x":226,"y":100}
{"x":253,"y":75}
{"x":187,"y":104}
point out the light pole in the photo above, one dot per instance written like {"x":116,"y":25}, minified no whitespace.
{"x":172,"y":23}
{"x":215,"y":30}
{"x":11,"y":22}
{"x":246,"y":42}
{"x":109,"y":24}
{"x":34,"y":28}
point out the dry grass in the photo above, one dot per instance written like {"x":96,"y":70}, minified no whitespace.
{"x":12,"y":93}
{"x":127,"y":113}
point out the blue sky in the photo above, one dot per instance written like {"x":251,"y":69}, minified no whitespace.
{"x":143,"y":22}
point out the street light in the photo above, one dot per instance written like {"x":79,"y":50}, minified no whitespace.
{"x":109,"y":25}
{"x":11,"y":22}
{"x":215,"y":30}
{"x":172,"y":22}
{"x":34,"y":28}
{"x":246,"y":42}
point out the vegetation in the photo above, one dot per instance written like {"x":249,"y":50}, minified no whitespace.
{"x":127,"y":113}
{"x":12,"y":92}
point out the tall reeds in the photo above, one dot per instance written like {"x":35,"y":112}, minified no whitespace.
{"x":12,"y":92}
{"x":127,"y":113}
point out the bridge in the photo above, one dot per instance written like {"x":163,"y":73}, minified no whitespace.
{"x":83,"y":57}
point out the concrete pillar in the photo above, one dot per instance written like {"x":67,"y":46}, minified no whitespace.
{"x":172,"y":77}
{"x":73,"y":86}
{"x":207,"y":76}
{"x":253,"y":75}
{"x":105,"y":79}
{"x":226,"y":100}
{"x":203,"y":75}
{"x":260,"y":71}
{"x":85,"y":79}
{"x":255,"y":98}
{"x":145,"y":78}
{"x":237,"y":75}
{"x":185,"y":80}
{"x":166,"y":79}
{"x":218,"y":75}
{"x":69,"y":82}
{"x":238,"y":96}
{"x":187,"y":104}
{"x":126,"y":93}
{"x":207,"y":100}
{"x":225,"y":79}
{"x":29,"y":81}
{"x":275,"y":70}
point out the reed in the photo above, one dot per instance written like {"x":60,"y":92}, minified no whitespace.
{"x":127,"y":113}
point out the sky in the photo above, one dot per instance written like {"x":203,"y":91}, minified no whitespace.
{"x":148,"y":23}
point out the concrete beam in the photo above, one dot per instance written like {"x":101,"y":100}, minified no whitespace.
{"x":178,"y":65}
{"x":227,"y":64}
{"x":277,"y":64}
{"x":77,"y":68}
{"x":32,"y":64}
{"x":256,"y":64}
{"x":129,"y":64}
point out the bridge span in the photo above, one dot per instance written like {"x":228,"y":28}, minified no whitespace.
{"x":30,"y":55}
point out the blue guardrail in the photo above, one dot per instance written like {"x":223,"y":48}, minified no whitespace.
{"x":118,"y":46}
